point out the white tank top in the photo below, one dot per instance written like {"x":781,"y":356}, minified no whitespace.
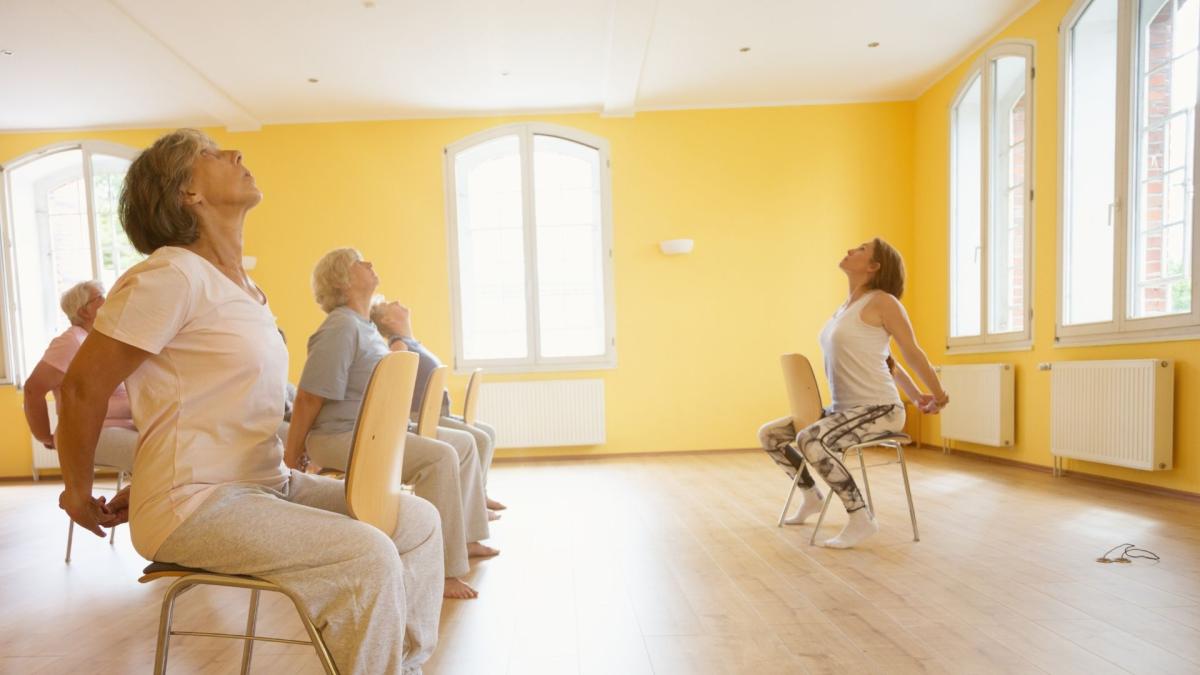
{"x":856,"y":359}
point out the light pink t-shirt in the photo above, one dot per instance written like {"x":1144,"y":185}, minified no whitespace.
{"x":209,"y":399}
{"x":61,"y":352}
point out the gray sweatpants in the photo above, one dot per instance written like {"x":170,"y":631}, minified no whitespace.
{"x":485,"y":440}
{"x":444,"y":471}
{"x":377,"y":612}
{"x":115,"y":448}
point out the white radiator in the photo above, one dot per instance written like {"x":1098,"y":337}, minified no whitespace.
{"x":547,"y":413}
{"x":981,"y":403}
{"x":1113,"y":412}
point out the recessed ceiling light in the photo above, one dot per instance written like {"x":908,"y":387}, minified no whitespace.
{"x":6,"y":52}
{"x":313,"y":80}
{"x":744,"y":50}
{"x":872,"y":45}
{"x":504,"y":73}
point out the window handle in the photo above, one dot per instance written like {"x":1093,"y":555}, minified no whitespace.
{"x":1112,"y":208}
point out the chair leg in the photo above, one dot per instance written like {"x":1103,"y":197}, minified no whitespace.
{"x":862,"y":465}
{"x":164,"y":624}
{"x":787,"y":504}
{"x":912,"y":511}
{"x":821,"y":518}
{"x":314,"y":634}
{"x":112,"y":534}
{"x":70,"y":536}
{"x":251,"y":624}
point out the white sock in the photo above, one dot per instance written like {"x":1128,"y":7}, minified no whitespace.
{"x":810,"y":503}
{"x":861,"y":526}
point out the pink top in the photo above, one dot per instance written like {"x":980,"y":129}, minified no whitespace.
{"x":61,"y":352}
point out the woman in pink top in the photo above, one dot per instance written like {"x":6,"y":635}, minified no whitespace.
{"x":118,"y":438}
{"x":197,"y":345}
{"x":863,"y":381}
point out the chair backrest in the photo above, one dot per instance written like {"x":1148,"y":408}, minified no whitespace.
{"x":377,"y":452}
{"x":803,"y":394}
{"x":431,"y":403}
{"x":471,"y":399}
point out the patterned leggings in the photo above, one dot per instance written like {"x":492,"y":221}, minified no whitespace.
{"x":822,"y":444}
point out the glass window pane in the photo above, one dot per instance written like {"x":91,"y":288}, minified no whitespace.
{"x":116,"y":253}
{"x":966,"y":175}
{"x":1090,"y":167}
{"x":491,"y":249}
{"x":52,"y":244}
{"x":1161,"y":228}
{"x":570,"y":247}
{"x":1006,"y":237}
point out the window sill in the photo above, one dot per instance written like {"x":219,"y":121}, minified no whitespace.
{"x":533,"y":369}
{"x":1181,"y":334}
{"x":989,"y":348}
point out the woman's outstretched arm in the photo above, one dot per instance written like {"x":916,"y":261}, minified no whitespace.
{"x":896,"y":323}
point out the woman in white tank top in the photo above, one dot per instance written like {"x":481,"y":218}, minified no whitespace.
{"x":863,"y":380}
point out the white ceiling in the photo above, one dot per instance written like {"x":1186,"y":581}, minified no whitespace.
{"x":244,"y":63}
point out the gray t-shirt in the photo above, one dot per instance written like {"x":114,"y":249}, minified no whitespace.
{"x":425,"y":368}
{"x":342,"y":354}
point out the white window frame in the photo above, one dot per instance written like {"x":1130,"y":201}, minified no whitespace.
{"x":15,"y":369}
{"x":533,"y":362}
{"x":1121,"y":329}
{"x":987,"y":341}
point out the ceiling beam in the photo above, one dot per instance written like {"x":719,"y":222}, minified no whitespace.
{"x":115,"y":22}
{"x":629,"y":30}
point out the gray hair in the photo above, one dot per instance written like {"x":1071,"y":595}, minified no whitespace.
{"x":76,"y":297}
{"x":331,"y":277}
{"x":378,"y":305}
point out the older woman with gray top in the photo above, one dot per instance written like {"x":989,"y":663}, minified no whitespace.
{"x":394,"y":322}
{"x":195,"y":341}
{"x":342,"y":353}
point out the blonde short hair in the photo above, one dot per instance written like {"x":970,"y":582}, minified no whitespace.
{"x":78,"y":296}
{"x":331,"y":277}
{"x":151,"y":206}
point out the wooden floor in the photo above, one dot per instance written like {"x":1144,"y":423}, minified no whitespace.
{"x":673,"y":565}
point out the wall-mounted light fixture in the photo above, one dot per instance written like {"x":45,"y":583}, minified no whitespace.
{"x":675,"y":246}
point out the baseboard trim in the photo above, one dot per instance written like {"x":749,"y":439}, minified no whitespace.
{"x":624,"y":455}
{"x":1092,"y":478}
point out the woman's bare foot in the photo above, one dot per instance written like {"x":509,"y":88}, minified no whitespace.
{"x":495,"y":505}
{"x":457,"y":589}
{"x":478,"y":550}
{"x":492,"y":515}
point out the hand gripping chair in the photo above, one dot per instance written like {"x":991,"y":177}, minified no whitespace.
{"x":372,"y":494}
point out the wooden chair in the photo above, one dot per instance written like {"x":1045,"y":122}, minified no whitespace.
{"x":805,"y":400}
{"x":372,"y":494}
{"x":431,"y":403}
{"x":471,"y":398}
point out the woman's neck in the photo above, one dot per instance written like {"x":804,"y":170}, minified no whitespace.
{"x":360,"y":304}
{"x":858,"y":288}
{"x":220,"y":242}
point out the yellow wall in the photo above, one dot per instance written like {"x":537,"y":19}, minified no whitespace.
{"x":772,"y":196}
{"x":928,"y":260}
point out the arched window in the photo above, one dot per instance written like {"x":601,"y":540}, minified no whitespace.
{"x":529,"y":212}
{"x":1127,"y":225}
{"x":61,"y":227}
{"x":991,"y":203}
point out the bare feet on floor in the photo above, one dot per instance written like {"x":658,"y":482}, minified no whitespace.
{"x":478,"y":550}
{"x":861,"y":526}
{"x":457,"y":589}
{"x":492,"y":515}
{"x":495,"y":505}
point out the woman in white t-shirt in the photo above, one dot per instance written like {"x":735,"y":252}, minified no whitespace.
{"x":863,"y":380}
{"x":196,"y":343}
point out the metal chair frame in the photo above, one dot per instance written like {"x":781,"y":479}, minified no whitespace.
{"x":893,"y":441}
{"x":190,"y":578}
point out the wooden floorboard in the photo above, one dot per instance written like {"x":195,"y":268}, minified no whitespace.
{"x":661,"y":565}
